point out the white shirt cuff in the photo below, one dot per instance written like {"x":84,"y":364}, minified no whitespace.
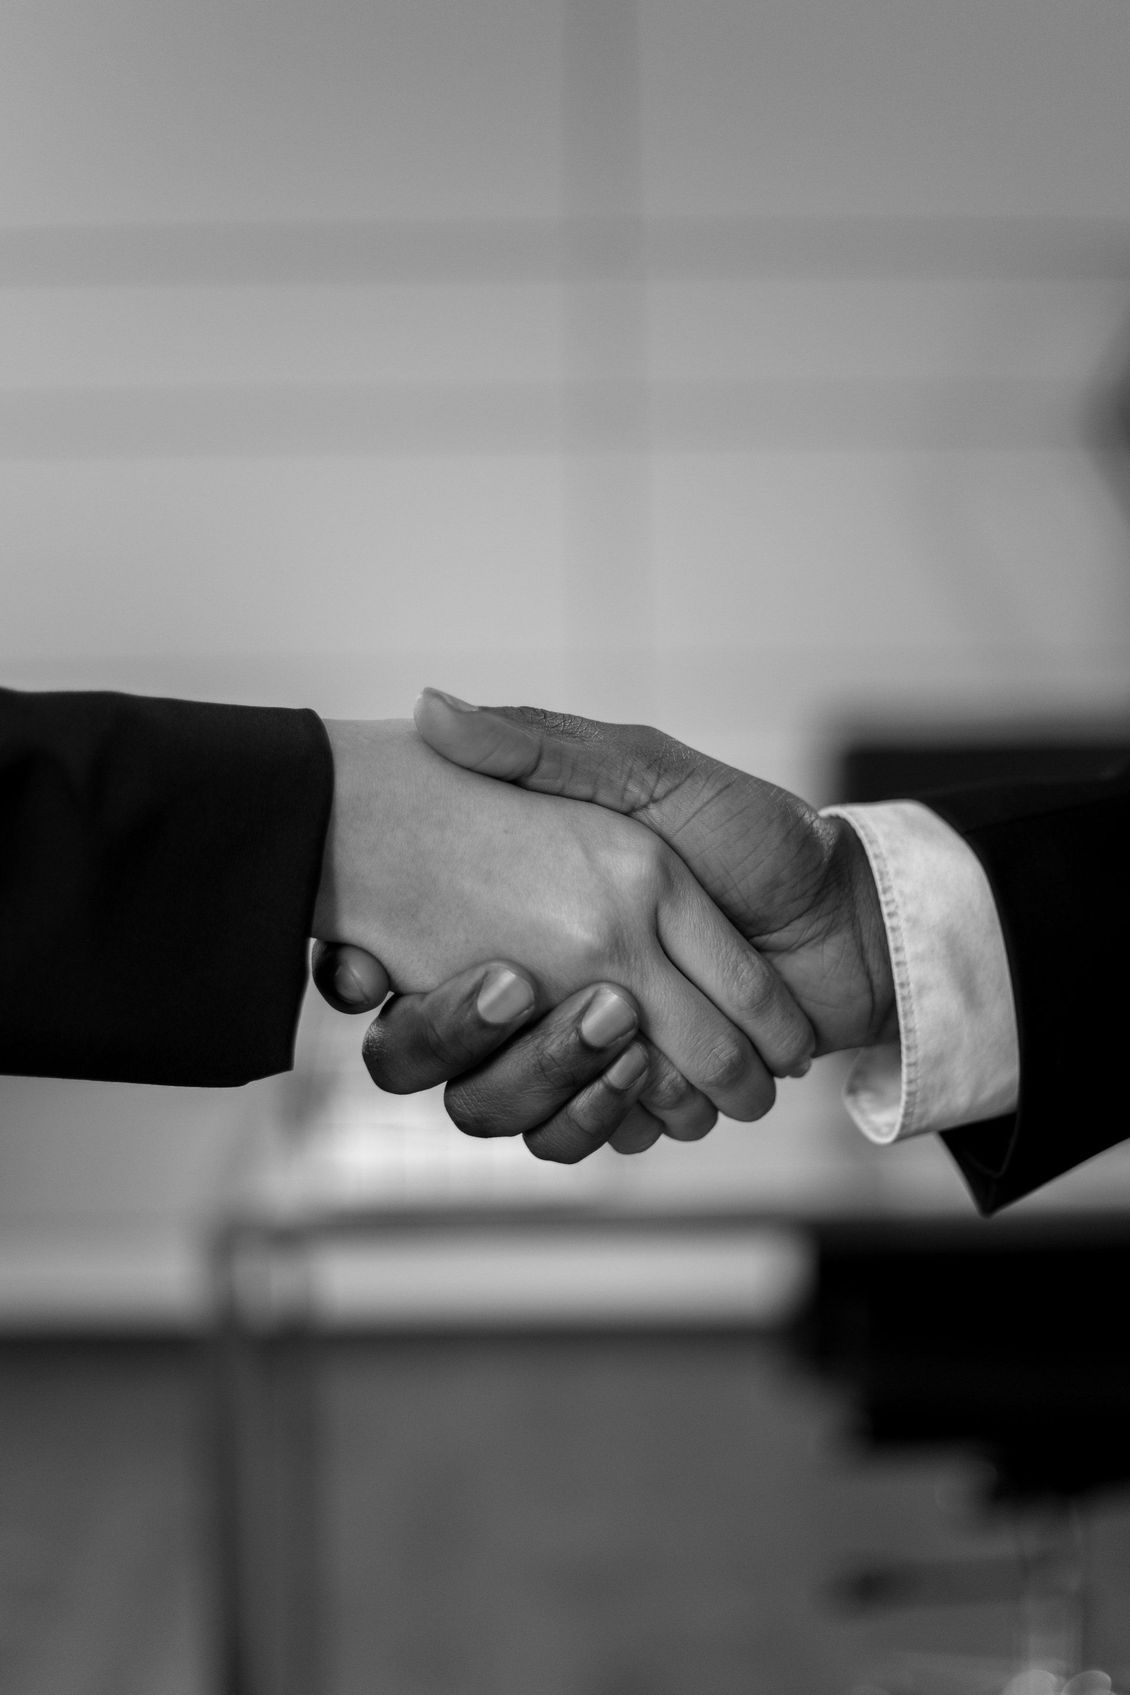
{"x":957,"y":1058}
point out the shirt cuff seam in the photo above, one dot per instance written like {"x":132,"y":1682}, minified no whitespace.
{"x":909,"y":1083}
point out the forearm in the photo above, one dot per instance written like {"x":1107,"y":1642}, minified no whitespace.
{"x":160,"y":866}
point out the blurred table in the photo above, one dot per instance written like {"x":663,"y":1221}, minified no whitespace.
{"x":357,"y":1211}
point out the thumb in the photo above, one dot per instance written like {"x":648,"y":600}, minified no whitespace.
{"x":551,"y":752}
{"x":478,"y":738}
{"x":348,"y":978}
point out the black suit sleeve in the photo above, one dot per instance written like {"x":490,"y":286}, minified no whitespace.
{"x":159,"y":862}
{"x":1058,"y":859}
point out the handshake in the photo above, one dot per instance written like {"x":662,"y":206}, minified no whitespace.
{"x":627,"y":936}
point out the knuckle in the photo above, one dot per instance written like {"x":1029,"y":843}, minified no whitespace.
{"x":653,"y":858}
{"x":725,"y":1064}
{"x":548,"y":1143}
{"x":685,"y":1112}
{"x":554,"y":1066}
{"x":648,"y":747}
{"x":562,"y":726}
{"x":645,"y":739}
{"x":594,"y":941}
{"x":640,"y":877}
{"x":442,"y":1038}
{"x":630,"y":876}
{"x":470,"y":1108}
{"x":754,"y":982}
{"x":668,"y":1089}
{"x":641,"y":860}
{"x":594,"y":1115}
{"x":666,"y":762}
{"x":777,"y":1023}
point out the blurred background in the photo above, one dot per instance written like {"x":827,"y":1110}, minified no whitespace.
{"x":756,"y":368}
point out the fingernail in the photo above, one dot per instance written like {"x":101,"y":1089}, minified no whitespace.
{"x":503,"y":997}
{"x":628,"y":1069}
{"x":348,"y":985}
{"x":607,"y":1017}
{"x":453,"y":700}
{"x":801,"y":1069}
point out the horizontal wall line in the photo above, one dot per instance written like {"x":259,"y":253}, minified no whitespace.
{"x":319,"y":420}
{"x":550,"y":249}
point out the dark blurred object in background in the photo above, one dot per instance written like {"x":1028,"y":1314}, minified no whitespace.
{"x":881,"y":768}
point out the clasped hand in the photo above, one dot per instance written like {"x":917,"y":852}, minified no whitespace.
{"x":654,"y":1003}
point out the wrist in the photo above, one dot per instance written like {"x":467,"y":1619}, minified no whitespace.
{"x":364,"y":772}
{"x":325,"y":924}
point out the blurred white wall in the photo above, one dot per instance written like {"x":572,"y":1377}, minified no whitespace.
{"x":726,"y":364}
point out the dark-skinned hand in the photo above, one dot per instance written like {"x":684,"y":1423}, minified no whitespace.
{"x":568,"y":1079}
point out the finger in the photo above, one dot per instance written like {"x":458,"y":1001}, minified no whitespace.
{"x":478,"y":739}
{"x":421,"y":1040}
{"x":712,"y":1053}
{"x":348,"y":978}
{"x":667,"y":1105}
{"x":683,"y":1112}
{"x":615,"y":765}
{"x":638,"y":1132}
{"x":708,"y":950}
{"x":537,"y":1074}
{"x":587,"y":1121}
